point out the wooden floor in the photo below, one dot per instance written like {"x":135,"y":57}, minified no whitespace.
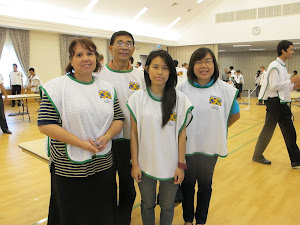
{"x":244,"y":192}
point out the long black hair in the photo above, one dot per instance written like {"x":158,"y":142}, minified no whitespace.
{"x":169,"y":93}
{"x":199,"y":54}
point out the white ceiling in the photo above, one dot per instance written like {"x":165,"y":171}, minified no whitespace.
{"x":67,"y":16}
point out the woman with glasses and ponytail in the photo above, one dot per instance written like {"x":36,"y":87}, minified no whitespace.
{"x":215,"y":110}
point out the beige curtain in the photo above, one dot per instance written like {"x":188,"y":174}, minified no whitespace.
{"x":2,"y":38}
{"x":65,"y":41}
{"x":20,"y":40}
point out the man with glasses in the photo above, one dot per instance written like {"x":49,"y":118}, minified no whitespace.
{"x":126,"y":80}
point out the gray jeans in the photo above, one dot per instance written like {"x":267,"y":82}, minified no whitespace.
{"x":167,"y":192}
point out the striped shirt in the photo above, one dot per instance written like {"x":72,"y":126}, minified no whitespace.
{"x":63,"y":166}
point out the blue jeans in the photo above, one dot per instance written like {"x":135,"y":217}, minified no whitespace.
{"x":167,"y":192}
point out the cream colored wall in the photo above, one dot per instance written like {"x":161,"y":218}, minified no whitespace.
{"x":45,"y":55}
{"x":143,"y":49}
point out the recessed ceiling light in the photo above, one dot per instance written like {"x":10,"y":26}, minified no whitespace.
{"x":296,"y":43}
{"x":91,"y":5}
{"x":199,"y":1}
{"x":140,"y":13}
{"x":241,"y":45}
{"x":257,"y":49}
{"x":297,"y":48}
{"x":175,"y":21}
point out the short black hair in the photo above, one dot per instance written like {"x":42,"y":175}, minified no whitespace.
{"x":231,"y":67}
{"x":283,"y":45}
{"x":295,"y":71}
{"x":120,"y":33}
{"x":131,"y":59}
{"x":139,"y":63}
{"x":31,"y":69}
{"x":15,"y":65}
{"x":199,"y":54}
{"x":175,"y":62}
{"x":238,"y":71}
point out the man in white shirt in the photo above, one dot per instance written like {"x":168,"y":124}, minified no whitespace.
{"x":3,"y":123}
{"x":139,"y":66}
{"x":276,"y":87}
{"x":239,"y":82}
{"x":16,"y":83}
{"x":33,"y":81}
{"x":182,"y":72}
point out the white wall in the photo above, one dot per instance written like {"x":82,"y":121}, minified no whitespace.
{"x":102,"y":46}
{"x":45,"y":54}
{"x":204,"y":30}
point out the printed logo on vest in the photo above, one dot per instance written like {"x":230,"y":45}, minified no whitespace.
{"x":172,"y":119}
{"x":180,"y":73}
{"x":134,"y":86}
{"x":105,"y":94}
{"x":215,"y":102}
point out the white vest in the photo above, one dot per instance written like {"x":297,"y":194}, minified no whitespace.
{"x":284,"y":94}
{"x":157,"y":146}
{"x":125,"y":83}
{"x":207,"y":134}
{"x":85,"y":110}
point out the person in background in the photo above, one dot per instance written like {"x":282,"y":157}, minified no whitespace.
{"x":225,"y":76}
{"x":16,"y":83}
{"x":3,"y":123}
{"x":158,"y":139}
{"x":139,"y":66}
{"x":182,"y":72}
{"x":276,"y":89}
{"x":216,"y":109}
{"x":126,"y":80}
{"x":80,"y":113}
{"x":239,"y":83}
{"x":131,"y":60}
{"x":101,"y":59}
{"x":33,"y":81}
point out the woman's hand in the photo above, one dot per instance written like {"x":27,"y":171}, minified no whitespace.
{"x":136,"y":173}
{"x":87,"y":145}
{"x":100,"y":143}
{"x":179,"y":175}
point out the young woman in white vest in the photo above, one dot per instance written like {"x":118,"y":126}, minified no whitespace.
{"x":159,"y":116}
{"x":80,"y":113}
{"x":215,"y":110}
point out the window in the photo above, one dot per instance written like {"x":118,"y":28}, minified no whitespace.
{"x":8,"y":58}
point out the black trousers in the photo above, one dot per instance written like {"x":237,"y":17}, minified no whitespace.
{"x":127,"y":193}
{"x":201,"y":169}
{"x":240,"y":87}
{"x":83,"y":201}
{"x":3,"y":123}
{"x":281,"y":114}
{"x":16,"y":89}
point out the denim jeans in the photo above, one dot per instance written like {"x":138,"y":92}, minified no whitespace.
{"x":167,"y":192}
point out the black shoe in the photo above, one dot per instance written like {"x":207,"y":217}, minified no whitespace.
{"x":13,"y":106}
{"x":7,"y":132}
{"x":296,"y":165}
{"x":262,"y":161}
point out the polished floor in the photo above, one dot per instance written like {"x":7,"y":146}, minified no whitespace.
{"x":244,"y":192}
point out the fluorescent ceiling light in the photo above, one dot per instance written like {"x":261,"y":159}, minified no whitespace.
{"x":257,"y":49}
{"x":199,"y":1}
{"x":175,"y":21}
{"x":91,"y":5}
{"x":140,"y":13}
{"x":241,"y":45}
